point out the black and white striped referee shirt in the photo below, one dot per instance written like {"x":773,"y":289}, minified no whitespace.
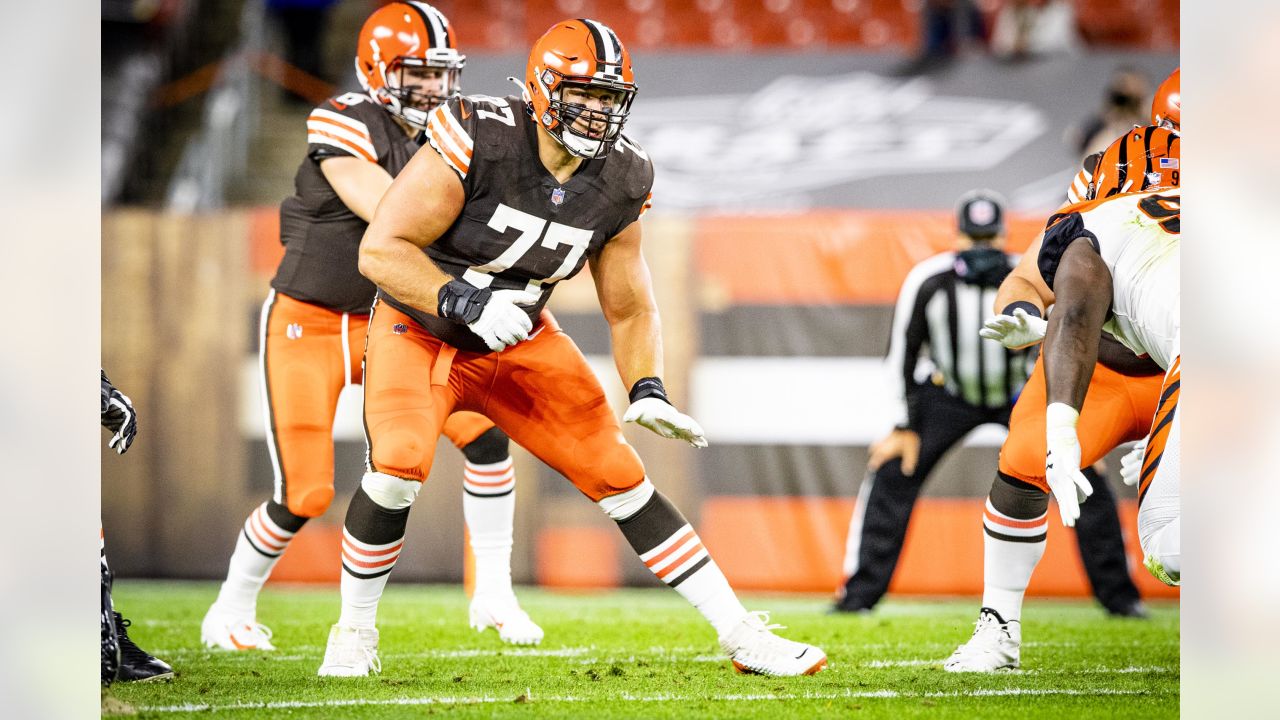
{"x":938,"y":316}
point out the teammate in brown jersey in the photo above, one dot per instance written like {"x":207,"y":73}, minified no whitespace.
{"x":513,"y":196}
{"x":315,"y":319}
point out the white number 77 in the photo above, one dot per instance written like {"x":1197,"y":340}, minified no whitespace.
{"x":531,"y":228}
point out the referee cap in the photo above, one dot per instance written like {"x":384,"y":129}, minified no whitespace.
{"x":980,"y":214}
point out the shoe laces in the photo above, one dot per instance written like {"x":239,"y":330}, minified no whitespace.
{"x":763,"y":639}
{"x":355,"y":649}
{"x":129,"y":650}
{"x":989,"y":631}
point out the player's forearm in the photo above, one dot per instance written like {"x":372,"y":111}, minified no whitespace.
{"x":1070,"y":352}
{"x":637,"y":345}
{"x":400,"y":268}
{"x":1017,"y":289}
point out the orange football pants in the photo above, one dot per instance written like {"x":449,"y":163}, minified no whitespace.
{"x":541,"y":392}
{"x":308,"y":355}
{"x":1117,"y":409}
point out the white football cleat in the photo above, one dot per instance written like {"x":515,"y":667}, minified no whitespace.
{"x":229,"y":631}
{"x":755,"y":650}
{"x":995,"y":645}
{"x":504,"y":614}
{"x":352,"y":652}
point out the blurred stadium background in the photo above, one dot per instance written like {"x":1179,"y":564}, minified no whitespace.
{"x":808,"y":154}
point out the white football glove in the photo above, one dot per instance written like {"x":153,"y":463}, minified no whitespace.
{"x":661,"y":417}
{"x":1015,"y":331}
{"x":1062,"y":464}
{"x":502,"y":323}
{"x":1131,"y":463}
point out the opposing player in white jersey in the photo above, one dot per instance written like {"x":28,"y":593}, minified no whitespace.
{"x":1114,"y":266}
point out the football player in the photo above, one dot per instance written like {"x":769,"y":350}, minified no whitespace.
{"x":514,"y":195}
{"x":315,"y":318}
{"x":1124,"y":392}
{"x":122,"y":659}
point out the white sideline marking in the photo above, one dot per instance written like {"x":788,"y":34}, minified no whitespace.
{"x":628,"y":697}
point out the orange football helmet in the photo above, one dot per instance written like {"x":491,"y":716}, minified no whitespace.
{"x":1166,"y":106}
{"x":407,"y":36}
{"x":1145,"y":158}
{"x":587,"y":58}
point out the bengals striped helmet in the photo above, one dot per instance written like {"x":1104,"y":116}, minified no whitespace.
{"x":1145,"y":158}
{"x":401,"y":41}
{"x":1166,"y":106}
{"x":580,"y":85}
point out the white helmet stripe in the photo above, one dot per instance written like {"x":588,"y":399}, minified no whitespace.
{"x":436,"y":23}
{"x":610,"y":48}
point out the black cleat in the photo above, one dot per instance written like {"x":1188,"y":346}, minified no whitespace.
{"x":136,"y":664}
{"x":1135,"y":609}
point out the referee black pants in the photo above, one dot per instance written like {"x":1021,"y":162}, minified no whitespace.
{"x":888,"y":496}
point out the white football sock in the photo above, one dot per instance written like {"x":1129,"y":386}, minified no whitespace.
{"x":489,"y":506}
{"x":1011,"y":549}
{"x":258,"y":549}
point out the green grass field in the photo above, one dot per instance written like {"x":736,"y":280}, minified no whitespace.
{"x":645,"y":653}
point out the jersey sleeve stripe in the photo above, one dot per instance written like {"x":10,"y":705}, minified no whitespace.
{"x":351,"y":124}
{"x":459,"y":133}
{"x":323,"y":137}
{"x":345,"y":132}
{"x":446,"y":143}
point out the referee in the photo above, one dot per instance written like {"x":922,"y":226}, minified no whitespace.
{"x":941,"y":307}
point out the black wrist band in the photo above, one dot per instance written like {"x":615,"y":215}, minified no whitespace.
{"x":902,"y":427}
{"x":1027,"y":307}
{"x":461,"y":302}
{"x":648,"y":387}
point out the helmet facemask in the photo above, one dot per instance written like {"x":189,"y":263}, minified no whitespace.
{"x":585,"y":114}
{"x":411,"y":103}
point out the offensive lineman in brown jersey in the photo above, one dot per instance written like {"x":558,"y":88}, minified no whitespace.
{"x":315,"y":319}
{"x":514,"y":195}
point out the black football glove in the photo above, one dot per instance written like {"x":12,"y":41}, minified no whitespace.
{"x":118,"y":416}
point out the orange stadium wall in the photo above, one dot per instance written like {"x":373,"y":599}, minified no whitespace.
{"x":181,"y":354}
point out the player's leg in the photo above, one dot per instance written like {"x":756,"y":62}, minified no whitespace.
{"x":1159,"y":492}
{"x":122,"y":659}
{"x":878,"y":530}
{"x":403,"y":415}
{"x":1015,"y":521}
{"x":301,"y":375}
{"x":489,"y":506}
{"x":1101,"y":541}
{"x":548,"y":400}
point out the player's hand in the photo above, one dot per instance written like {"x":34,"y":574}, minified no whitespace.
{"x":901,"y":443}
{"x":495,"y":315}
{"x":1015,"y":331}
{"x":1062,"y":464}
{"x":120,"y":419}
{"x":661,"y":417}
{"x":502,"y":322}
{"x":1131,"y":463}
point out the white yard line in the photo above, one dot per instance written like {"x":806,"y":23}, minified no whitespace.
{"x":628,"y":697}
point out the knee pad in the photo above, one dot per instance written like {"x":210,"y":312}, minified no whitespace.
{"x":388,"y":491}
{"x":492,"y":446}
{"x":312,"y":503}
{"x":604,"y":464}
{"x":404,"y":452}
{"x":627,"y":503}
{"x":1017,"y":499}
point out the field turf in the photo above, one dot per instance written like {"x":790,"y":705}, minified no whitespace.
{"x":643,"y":653}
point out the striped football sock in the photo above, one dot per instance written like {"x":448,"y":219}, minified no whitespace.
{"x":264,"y":538}
{"x":672,"y":551}
{"x":1015,"y":523}
{"x":489,"y":506}
{"x":372,"y":537}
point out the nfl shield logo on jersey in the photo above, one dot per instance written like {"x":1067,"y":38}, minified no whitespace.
{"x":557,"y":196}
{"x":294,"y":331}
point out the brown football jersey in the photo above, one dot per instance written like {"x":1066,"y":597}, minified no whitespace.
{"x":520,"y":228}
{"x":321,"y":235}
